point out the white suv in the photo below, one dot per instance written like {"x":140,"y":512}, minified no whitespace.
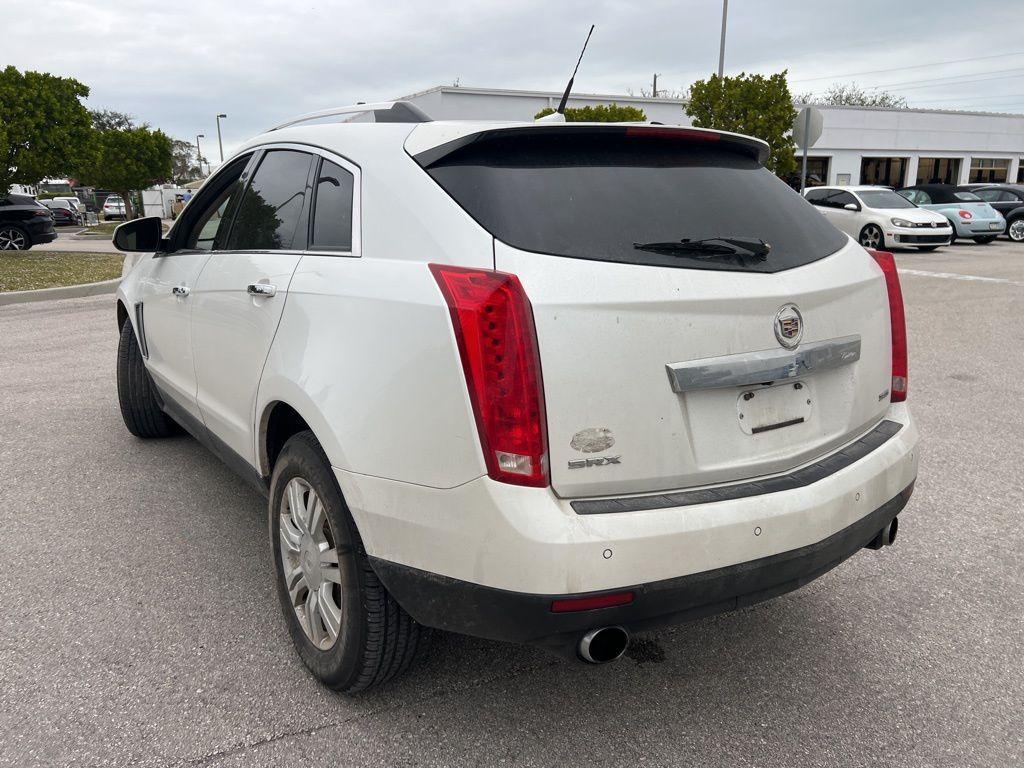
{"x":535,"y":382}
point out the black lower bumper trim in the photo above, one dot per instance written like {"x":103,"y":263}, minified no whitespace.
{"x":497,"y":614}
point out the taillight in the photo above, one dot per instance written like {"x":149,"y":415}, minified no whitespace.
{"x":965,"y":214}
{"x":493,"y":323}
{"x":897,"y":318}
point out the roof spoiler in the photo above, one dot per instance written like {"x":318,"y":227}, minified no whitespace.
{"x":748,"y":145}
{"x":383,"y":112}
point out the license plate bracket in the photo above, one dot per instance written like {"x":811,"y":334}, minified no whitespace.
{"x":766,"y":409}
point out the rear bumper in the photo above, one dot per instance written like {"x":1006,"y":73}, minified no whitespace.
{"x":496,"y":614}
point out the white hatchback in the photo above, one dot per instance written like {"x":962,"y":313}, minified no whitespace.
{"x":536,"y":382}
{"x":877,"y":217}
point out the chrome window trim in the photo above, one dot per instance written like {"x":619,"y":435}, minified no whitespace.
{"x":751,"y":368}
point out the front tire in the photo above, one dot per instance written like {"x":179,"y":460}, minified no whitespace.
{"x":14,"y":238}
{"x":139,"y":406}
{"x":1015,"y":229}
{"x":346,"y":628}
{"x":871,"y":237}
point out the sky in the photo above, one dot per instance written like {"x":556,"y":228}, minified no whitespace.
{"x":175,"y":64}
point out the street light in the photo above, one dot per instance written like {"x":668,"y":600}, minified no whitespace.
{"x":721,"y":47}
{"x":219,"y":142}
{"x":199,"y":152}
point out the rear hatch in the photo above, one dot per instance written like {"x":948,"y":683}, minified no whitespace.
{"x":668,"y":366}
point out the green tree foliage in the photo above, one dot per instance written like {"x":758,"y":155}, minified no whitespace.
{"x":853,"y":95}
{"x":44,"y":128}
{"x":750,"y":104}
{"x":600,"y":113}
{"x":184,"y":169}
{"x":127,"y":157}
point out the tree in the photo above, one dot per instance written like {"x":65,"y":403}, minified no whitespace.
{"x":853,"y":95}
{"x":751,"y":104}
{"x":599,"y":113}
{"x":44,"y":128}
{"x":183,"y":169}
{"x":127,"y":157}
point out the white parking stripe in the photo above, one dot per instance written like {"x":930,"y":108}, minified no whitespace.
{"x":955,"y":276}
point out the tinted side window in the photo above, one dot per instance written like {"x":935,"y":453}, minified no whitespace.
{"x":208,"y":229}
{"x":816,"y":196}
{"x":273,"y":204}
{"x":991,"y":195}
{"x":843,"y":199}
{"x":332,"y":215}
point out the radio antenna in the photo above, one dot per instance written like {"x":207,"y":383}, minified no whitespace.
{"x":568,"y":88}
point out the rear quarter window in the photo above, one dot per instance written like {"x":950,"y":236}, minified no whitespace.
{"x":592,"y":196}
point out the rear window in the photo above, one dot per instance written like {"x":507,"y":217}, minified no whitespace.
{"x":592,"y":196}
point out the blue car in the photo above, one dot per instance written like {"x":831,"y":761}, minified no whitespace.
{"x":970,"y":216}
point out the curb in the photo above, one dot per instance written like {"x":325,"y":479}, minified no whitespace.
{"x":65,"y":292}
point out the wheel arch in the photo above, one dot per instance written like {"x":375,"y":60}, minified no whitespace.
{"x":122,"y":314}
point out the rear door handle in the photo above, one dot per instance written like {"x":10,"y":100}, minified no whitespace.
{"x":262,"y":289}
{"x":180,"y":290}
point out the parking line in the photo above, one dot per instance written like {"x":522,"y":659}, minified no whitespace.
{"x":955,"y":276}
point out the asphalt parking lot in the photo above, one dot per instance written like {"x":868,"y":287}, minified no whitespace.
{"x":140,"y":624}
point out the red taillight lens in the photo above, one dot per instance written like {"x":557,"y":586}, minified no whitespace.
{"x":497,"y":340}
{"x":965,"y":215}
{"x":571,"y":604}
{"x":898,"y":388}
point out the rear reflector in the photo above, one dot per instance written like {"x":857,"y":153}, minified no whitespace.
{"x":897,"y":319}
{"x":571,"y":604}
{"x":493,"y":323}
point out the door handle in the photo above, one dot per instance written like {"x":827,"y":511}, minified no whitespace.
{"x":180,"y":290}
{"x":262,"y":289}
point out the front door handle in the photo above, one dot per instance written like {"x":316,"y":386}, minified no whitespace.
{"x":180,"y":290}
{"x":262,"y":289}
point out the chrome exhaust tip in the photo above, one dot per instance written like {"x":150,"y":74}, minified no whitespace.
{"x":599,"y":646}
{"x":886,"y":536}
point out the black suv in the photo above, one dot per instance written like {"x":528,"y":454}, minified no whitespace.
{"x":24,"y":223}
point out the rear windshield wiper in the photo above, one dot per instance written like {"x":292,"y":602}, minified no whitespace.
{"x":756,"y":248}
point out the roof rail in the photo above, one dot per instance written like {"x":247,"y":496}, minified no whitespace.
{"x":383,"y":112}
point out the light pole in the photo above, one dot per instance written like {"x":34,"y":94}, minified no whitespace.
{"x":220,"y":143}
{"x":199,"y":152}
{"x":721,"y":47}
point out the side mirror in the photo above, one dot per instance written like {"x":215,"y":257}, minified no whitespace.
{"x":139,"y":235}
{"x":852,"y":207}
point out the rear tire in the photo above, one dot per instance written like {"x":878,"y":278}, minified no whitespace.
{"x":871,"y":237}
{"x":346,"y":628}
{"x":139,"y":406}
{"x":984,"y":240}
{"x":1015,"y":229}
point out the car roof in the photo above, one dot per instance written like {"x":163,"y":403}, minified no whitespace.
{"x":404,"y":127}
{"x":934,"y":187}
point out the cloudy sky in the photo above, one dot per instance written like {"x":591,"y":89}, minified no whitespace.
{"x":177,"y":63}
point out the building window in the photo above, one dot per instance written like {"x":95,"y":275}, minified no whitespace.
{"x":886,"y":171}
{"x":1020,"y":172}
{"x":817,"y":171}
{"x":988,"y":170}
{"x":938,"y":170}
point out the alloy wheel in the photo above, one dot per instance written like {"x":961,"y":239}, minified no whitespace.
{"x":871,"y":237}
{"x":309,"y":559}
{"x":1016,"y":230}
{"x":12,"y":239}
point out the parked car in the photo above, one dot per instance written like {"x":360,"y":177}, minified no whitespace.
{"x":970,"y":215}
{"x":1008,"y":199}
{"x":538,"y":382}
{"x":63,"y":212}
{"x":879,"y":218}
{"x":24,"y":223}
{"x":113,"y":208}
{"x":75,"y":203}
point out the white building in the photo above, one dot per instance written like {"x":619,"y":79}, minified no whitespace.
{"x":858,"y":145}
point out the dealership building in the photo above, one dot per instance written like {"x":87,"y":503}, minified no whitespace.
{"x":858,"y":145}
